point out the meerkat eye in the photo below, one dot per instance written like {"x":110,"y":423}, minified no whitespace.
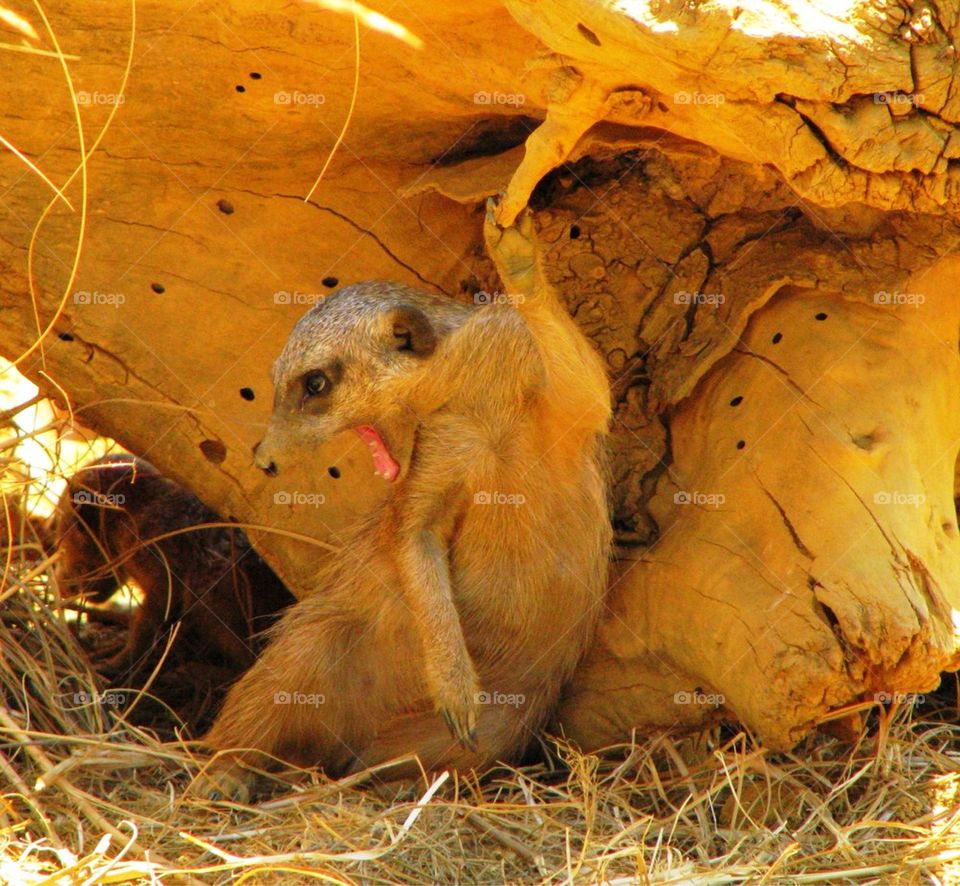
{"x":315,"y":383}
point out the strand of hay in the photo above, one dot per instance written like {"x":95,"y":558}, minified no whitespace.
{"x":90,"y":798}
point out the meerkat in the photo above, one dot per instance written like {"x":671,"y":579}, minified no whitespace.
{"x":209,"y":578}
{"x":469,"y":597}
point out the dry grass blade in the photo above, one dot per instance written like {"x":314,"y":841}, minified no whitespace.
{"x":36,"y":170}
{"x":18,"y":23}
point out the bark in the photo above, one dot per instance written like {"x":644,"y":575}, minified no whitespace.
{"x":705,"y":179}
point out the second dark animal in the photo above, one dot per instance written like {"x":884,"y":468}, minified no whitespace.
{"x":208,"y":579}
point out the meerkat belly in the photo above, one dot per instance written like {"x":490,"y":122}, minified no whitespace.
{"x":527,"y":559}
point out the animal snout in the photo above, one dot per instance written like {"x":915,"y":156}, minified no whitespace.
{"x":263,"y":461}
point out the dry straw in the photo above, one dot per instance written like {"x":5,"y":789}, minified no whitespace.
{"x":88,"y":797}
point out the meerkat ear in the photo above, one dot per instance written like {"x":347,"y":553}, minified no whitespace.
{"x":411,"y":330}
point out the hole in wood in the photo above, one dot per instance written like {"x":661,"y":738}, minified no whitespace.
{"x":247,"y":393}
{"x":225,"y":206}
{"x":240,"y":87}
{"x":158,"y":288}
{"x":574,"y":232}
{"x":330,"y":282}
{"x":820,"y":316}
{"x":736,"y":401}
{"x":213,"y":451}
{"x":741,"y":444}
{"x":777,"y":337}
{"x":588,"y":35}
{"x":334,"y":472}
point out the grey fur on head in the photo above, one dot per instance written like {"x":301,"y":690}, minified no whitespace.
{"x":347,"y":321}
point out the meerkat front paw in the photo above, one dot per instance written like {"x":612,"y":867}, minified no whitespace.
{"x":456,"y":700}
{"x":462,"y":724}
{"x":513,"y":249}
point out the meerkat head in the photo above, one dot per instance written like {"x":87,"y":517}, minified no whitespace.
{"x":88,"y":511}
{"x":351,"y":363}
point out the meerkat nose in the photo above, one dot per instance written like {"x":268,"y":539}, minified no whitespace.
{"x":270,"y":468}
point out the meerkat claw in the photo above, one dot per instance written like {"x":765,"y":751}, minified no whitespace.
{"x":492,"y":204}
{"x":492,"y":232}
{"x":463,"y":729}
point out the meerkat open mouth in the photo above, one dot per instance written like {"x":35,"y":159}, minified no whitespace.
{"x":384,"y":464}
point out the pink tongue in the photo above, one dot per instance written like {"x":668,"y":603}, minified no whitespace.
{"x":383,"y":462}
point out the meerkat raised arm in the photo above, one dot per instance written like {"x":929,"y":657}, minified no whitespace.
{"x":576,"y":387}
{"x":532,"y":339}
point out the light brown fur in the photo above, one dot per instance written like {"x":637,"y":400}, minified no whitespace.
{"x":440,"y":602}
